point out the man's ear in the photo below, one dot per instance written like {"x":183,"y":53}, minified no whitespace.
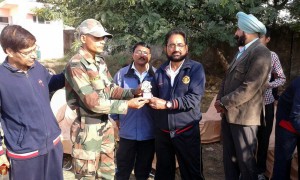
{"x":165,"y":49}
{"x":268,"y":40}
{"x":9,"y":52}
{"x":83,"y":39}
{"x":149,"y":57}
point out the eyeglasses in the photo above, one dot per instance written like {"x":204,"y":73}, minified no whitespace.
{"x":29,"y":53}
{"x":139,"y":52}
{"x":172,"y":46}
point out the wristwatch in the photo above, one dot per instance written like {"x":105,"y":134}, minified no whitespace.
{"x":169,"y":105}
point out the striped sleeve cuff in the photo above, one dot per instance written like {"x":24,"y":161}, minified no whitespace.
{"x":175,"y":104}
{"x":1,"y":151}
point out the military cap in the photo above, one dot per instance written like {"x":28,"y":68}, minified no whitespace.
{"x":93,"y":27}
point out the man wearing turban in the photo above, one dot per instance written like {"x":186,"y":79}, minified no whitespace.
{"x":240,"y":99}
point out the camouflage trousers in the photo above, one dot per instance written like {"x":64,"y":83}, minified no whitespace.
{"x":93,"y":152}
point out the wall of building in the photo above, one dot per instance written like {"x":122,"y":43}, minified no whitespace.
{"x":295,"y":56}
{"x":286,"y":43}
{"x":49,"y":35}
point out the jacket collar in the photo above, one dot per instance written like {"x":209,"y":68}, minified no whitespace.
{"x":248,"y":49}
{"x":244,"y":55}
{"x":89,"y":58}
{"x":187,"y":64}
{"x":130,"y":72}
{"x":14,"y":69}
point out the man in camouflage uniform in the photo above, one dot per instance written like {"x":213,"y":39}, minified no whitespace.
{"x":91,"y":92}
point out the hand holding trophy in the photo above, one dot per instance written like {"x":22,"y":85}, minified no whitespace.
{"x":146,"y":88}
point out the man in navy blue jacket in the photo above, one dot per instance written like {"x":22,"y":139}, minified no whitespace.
{"x":136,"y":146}
{"x":287,"y":132}
{"x":30,"y":128}
{"x":178,"y":88}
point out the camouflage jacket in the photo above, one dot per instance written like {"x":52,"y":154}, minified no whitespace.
{"x":90,"y":88}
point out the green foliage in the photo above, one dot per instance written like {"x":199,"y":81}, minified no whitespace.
{"x":207,"y":22}
{"x":117,"y":61}
{"x":294,"y":8}
{"x":47,"y":14}
{"x":75,"y":45}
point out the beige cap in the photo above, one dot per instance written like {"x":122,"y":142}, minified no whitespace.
{"x":93,"y":27}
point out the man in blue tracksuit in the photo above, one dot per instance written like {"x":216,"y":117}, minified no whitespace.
{"x":178,"y":88}
{"x":31,"y":131}
{"x":136,"y":128}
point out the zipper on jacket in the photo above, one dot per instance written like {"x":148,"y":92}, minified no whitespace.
{"x":45,"y":125}
{"x":172,"y":123}
{"x":26,"y":74}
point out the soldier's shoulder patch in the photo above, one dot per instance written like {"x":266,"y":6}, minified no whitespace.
{"x":75,"y":61}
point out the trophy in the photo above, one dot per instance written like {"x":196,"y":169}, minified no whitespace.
{"x":146,"y":88}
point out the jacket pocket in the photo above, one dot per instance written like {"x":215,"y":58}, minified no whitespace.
{"x":240,"y":72}
{"x":84,"y":162}
{"x":98,"y":83}
{"x":21,"y":136}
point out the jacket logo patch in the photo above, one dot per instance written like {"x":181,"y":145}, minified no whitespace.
{"x":186,"y":79}
{"x":41,"y":83}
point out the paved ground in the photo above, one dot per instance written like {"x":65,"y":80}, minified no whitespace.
{"x":4,"y":177}
{"x":68,"y":175}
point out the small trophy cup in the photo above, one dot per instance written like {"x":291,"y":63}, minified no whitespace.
{"x":146,"y":88}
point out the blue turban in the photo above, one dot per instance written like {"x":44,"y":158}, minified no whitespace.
{"x":250,"y":24}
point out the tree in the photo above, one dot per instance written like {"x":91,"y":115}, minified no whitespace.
{"x":207,"y":22}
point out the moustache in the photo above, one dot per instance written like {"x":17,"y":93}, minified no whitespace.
{"x":175,"y":52}
{"x":142,"y":58}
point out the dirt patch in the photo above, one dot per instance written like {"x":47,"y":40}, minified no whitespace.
{"x":213,"y":161}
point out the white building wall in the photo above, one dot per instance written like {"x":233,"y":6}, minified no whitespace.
{"x":49,"y":39}
{"x":49,"y":36}
{"x":2,"y":54}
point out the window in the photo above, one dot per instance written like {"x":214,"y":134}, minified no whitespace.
{"x":4,"y":20}
{"x":40,"y":20}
